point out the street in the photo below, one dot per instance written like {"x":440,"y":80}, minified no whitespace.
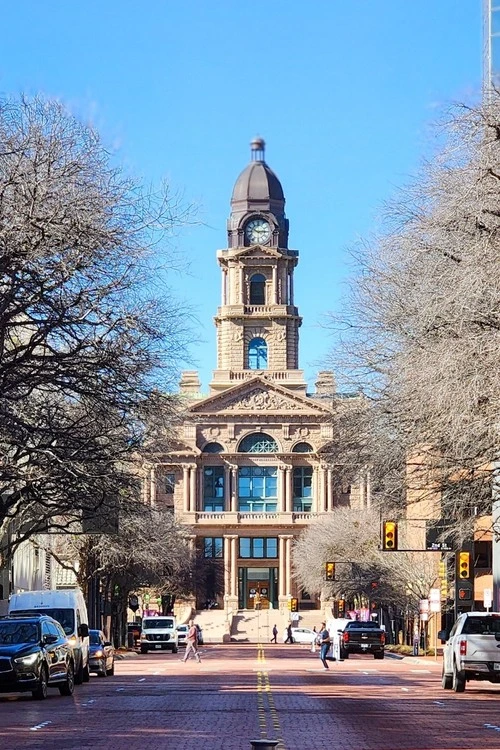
{"x":242,"y":693}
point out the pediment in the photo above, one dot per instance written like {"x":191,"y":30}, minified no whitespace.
{"x":258,"y":395}
{"x":257,"y":251}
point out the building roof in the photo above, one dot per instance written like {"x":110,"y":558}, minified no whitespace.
{"x":257,"y":182}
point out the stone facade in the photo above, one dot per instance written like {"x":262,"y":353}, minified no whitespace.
{"x":248,"y":474}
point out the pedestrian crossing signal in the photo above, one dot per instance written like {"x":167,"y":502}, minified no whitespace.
{"x":390,"y":536}
{"x":329,"y":571}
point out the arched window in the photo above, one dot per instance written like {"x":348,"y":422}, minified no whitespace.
{"x":257,"y":354}
{"x":302,"y":448}
{"x":213,"y":448}
{"x":258,"y":442}
{"x":258,"y":289}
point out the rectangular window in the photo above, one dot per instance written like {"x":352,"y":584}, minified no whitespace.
{"x":169,"y":484}
{"x":302,"y":489}
{"x":258,"y":489}
{"x":213,"y":489}
{"x":258,"y":547}
{"x":213,"y":546}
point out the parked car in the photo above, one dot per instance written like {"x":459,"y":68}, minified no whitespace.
{"x":102,"y":654}
{"x":69,"y":609}
{"x":34,"y":655}
{"x":303,"y":635}
{"x":472,"y":650}
{"x":182,"y":631}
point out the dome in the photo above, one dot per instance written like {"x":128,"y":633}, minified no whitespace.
{"x":257,"y":183}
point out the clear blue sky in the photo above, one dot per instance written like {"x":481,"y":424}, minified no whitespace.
{"x":342,"y":91}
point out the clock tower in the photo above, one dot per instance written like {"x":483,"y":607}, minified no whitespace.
{"x":257,"y":322}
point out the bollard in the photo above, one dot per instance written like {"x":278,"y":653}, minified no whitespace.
{"x":264,"y":744}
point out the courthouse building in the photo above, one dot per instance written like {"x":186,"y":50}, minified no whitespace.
{"x":247,"y":474}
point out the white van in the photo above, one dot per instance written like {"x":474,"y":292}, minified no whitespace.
{"x":68,"y":607}
{"x":159,"y":632}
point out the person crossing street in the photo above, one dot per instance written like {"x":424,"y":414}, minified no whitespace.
{"x":192,"y":643}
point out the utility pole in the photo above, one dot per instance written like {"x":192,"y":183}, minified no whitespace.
{"x":495,"y":536}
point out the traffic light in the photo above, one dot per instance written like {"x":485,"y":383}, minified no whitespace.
{"x":294,"y":604}
{"x":329,"y":571}
{"x":464,"y":595}
{"x":373,"y":586}
{"x":341,"y":604}
{"x":464,"y":565}
{"x":390,"y":536}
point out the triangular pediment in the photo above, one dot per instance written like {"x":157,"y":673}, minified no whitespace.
{"x":257,"y":395}
{"x":257,"y":251}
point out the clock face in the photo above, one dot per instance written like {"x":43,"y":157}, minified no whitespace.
{"x":257,"y":231}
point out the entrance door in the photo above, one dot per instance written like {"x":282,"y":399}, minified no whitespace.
{"x":258,"y":594}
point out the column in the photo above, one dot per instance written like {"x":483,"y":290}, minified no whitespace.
{"x":288,"y":541}
{"x":192,"y":488}
{"x":291,"y":288}
{"x":281,"y":489}
{"x":234,"y":489}
{"x":234,"y":567}
{"x":152,"y":485}
{"x":288,"y":491}
{"x":329,"y":505}
{"x":227,"y":488}
{"x":324,"y":488}
{"x":275,"y":285}
{"x":185,"y":487}
{"x":227,"y":565}
{"x":368,"y":489}
{"x":282,"y":565}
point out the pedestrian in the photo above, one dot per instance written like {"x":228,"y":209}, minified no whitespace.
{"x":192,"y":643}
{"x":256,"y":601}
{"x":275,"y":634}
{"x":289,"y":638}
{"x":324,"y":639}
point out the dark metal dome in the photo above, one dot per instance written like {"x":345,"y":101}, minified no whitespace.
{"x":257,"y":182}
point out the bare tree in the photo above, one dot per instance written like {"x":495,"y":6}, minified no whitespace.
{"x":421,"y":337}
{"x":84,"y":332}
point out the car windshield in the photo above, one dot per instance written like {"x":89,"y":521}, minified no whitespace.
{"x":158,"y":622}
{"x":94,"y":637}
{"x":481,"y":625}
{"x":18,"y":632}
{"x":66,"y":617}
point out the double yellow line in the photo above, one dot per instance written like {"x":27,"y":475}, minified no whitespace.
{"x":264,"y":692}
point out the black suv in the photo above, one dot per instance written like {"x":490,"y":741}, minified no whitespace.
{"x":34,"y":654}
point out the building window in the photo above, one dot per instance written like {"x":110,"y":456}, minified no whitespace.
{"x":258,"y":442}
{"x":213,"y":489}
{"x":257,"y":354}
{"x":302,"y":489}
{"x":213,"y":448}
{"x":258,"y":547}
{"x":213,"y":546}
{"x":169,"y":484}
{"x":258,"y":289}
{"x":302,"y":448}
{"x":258,"y":489}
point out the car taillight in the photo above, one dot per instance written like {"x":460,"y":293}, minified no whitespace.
{"x":463,"y":648}
{"x":345,"y":636}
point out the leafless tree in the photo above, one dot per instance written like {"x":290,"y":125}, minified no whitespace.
{"x":85,"y":332}
{"x":421,"y":331}
{"x":351,"y":539}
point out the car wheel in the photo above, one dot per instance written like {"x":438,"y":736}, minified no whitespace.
{"x":102,"y":672}
{"x":79,"y":673}
{"x":174,"y":650}
{"x":112,"y":670}
{"x":344,"y":654}
{"x":40,"y":692}
{"x":446,"y":680}
{"x":68,"y":687}
{"x":378,"y":655}
{"x":458,"y":680}
{"x":144,"y":650}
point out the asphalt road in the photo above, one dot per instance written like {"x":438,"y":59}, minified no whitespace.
{"x":241,"y":693}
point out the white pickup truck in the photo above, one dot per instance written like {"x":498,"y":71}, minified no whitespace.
{"x":472,"y":650}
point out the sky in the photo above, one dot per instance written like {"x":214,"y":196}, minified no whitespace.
{"x":342,"y":91}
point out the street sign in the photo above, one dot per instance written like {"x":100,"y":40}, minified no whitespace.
{"x":487,"y":598}
{"x":435,"y":595}
{"x":435,"y":606}
{"x":423,"y":605}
